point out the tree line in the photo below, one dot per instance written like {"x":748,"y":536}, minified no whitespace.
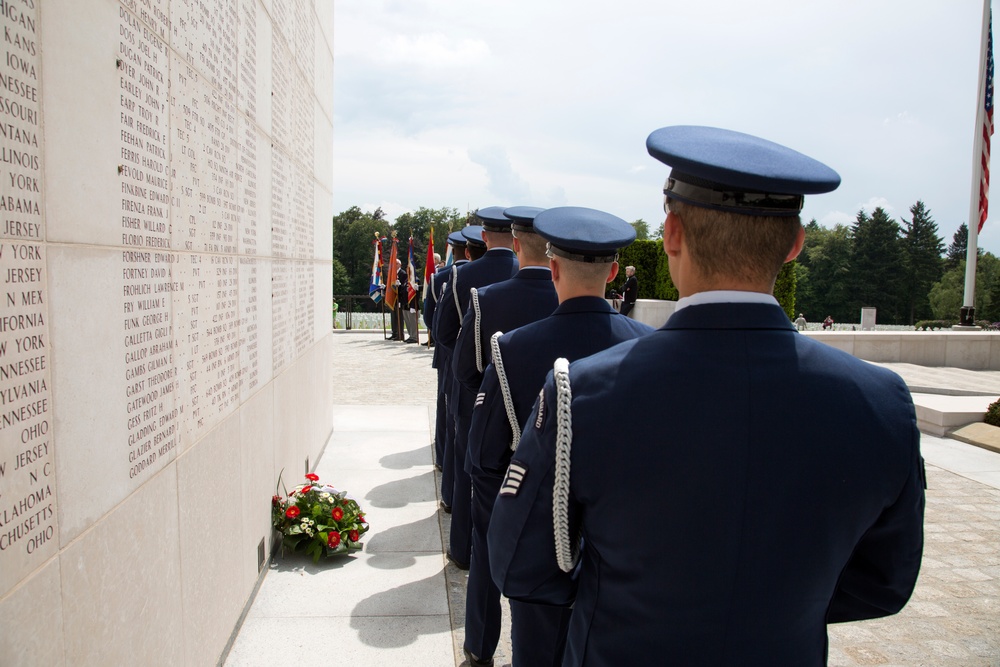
{"x":901,"y":268}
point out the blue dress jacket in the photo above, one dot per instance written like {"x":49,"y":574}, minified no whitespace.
{"x":766,"y":485}
{"x":525,"y":298}
{"x":578,"y":328}
{"x":496,"y":265}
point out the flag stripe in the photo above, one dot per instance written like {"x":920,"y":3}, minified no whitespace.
{"x":984,"y":179}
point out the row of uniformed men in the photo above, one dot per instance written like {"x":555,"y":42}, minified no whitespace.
{"x":540,"y":276}
{"x":680,"y":538}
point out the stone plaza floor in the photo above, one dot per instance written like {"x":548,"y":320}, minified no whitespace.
{"x":400,"y":602}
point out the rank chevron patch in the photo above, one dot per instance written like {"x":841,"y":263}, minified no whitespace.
{"x":515,"y":475}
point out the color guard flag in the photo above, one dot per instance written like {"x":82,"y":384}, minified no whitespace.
{"x":375,"y":287}
{"x":449,"y":256}
{"x":390,"y":294}
{"x":984,"y":179}
{"x":411,"y":275}
{"x":429,"y":264}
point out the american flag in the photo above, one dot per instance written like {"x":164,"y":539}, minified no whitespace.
{"x":984,"y":180}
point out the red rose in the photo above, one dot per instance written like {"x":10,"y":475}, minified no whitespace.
{"x":361,"y":518}
{"x":312,"y":478}
{"x":344,"y":502}
{"x":305,"y":489}
{"x":275,"y":500}
{"x":353,"y":535}
{"x":333,"y":540}
{"x":292,"y":512}
{"x":337,"y":514}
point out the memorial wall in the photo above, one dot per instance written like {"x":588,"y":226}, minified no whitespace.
{"x":165,"y":319}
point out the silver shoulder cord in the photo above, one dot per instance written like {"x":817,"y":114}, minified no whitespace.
{"x":432,"y":292}
{"x":567,"y":549}
{"x":474,"y":293}
{"x":454,"y":291}
{"x":508,"y":402}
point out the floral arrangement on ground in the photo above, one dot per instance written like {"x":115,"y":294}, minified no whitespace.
{"x":317,"y":519}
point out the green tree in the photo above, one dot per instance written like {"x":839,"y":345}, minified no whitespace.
{"x":823,"y":274}
{"x":922,"y":266}
{"x":959,"y":246}
{"x":947,"y":294}
{"x":354,"y":233}
{"x":341,"y":281}
{"x":419,"y":223}
{"x":641,"y":229}
{"x":784,"y":288}
{"x":876,"y":270}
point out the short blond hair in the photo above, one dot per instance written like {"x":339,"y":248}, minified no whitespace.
{"x":593,"y":275}
{"x":723,"y":243}
{"x":532,"y":246}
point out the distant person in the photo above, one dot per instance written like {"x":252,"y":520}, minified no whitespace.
{"x":683,"y":538}
{"x":800,"y":322}
{"x":438,"y":263}
{"x":404,"y":315}
{"x":828,"y":323}
{"x":583,"y":245}
{"x":395,"y":315}
{"x":630,"y":291}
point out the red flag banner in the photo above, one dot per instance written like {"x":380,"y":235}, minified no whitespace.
{"x":429,"y":264}
{"x":391,"y":273}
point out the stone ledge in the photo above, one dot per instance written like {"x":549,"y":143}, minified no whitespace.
{"x":979,"y":434}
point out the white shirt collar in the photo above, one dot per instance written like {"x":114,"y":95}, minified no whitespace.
{"x":537,"y":268}
{"x":725,"y":296}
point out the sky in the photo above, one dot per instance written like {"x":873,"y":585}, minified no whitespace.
{"x":549,"y":102}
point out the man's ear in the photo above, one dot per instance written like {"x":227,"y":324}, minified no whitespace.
{"x":612,"y":272}
{"x":673,"y":235}
{"x":800,"y":239}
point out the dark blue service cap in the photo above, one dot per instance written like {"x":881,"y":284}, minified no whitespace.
{"x":583,"y":234}
{"x":731,"y":171}
{"x":493,"y":219}
{"x":457,"y":239}
{"x":522,"y":218}
{"x":474,"y":235}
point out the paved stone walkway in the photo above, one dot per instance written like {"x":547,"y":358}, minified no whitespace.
{"x":953,"y":618}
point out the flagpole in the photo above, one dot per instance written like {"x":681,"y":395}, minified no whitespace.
{"x":979,"y":194}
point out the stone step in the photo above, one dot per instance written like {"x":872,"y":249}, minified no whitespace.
{"x":940,"y":414}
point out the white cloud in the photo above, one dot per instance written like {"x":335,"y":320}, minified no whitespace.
{"x":502,"y":180}
{"x":431,"y":50}
{"x":834,"y":218}
{"x":902,"y":118}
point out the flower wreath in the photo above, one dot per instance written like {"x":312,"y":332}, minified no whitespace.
{"x":318,"y":519}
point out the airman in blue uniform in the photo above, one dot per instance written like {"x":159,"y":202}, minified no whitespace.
{"x":497,"y":264}
{"x":706,"y":530}
{"x":583,"y":245}
{"x":528,"y":296}
{"x":440,"y":360}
